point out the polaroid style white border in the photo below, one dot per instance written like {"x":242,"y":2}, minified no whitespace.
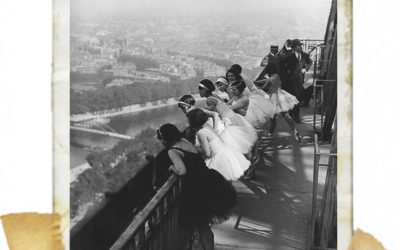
{"x":61,"y":32}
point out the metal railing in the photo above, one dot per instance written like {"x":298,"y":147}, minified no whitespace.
{"x":157,"y":226}
{"x":318,"y":90}
{"x":105,"y":222}
{"x":319,"y":223}
{"x":311,"y":44}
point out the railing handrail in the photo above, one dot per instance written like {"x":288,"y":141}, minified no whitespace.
{"x":144,"y":214}
{"x":322,"y":80}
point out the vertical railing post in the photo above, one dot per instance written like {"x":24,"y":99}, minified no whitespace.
{"x":315,"y":106}
{"x":315,"y":190}
{"x":328,"y":206}
{"x":161,"y":216}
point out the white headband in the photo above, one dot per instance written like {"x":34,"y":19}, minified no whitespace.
{"x":204,"y":87}
{"x":222,"y":80}
{"x":184,"y":103}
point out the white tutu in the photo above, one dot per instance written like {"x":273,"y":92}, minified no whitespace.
{"x":226,"y":160}
{"x":241,"y":139}
{"x":283,"y":100}
{"x":261,"y":108}
{"x":236,"y":137}
{"x":239,"y":132}
{"x":220,"y":125}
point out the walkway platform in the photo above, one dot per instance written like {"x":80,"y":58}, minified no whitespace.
{"x":274,"y":208}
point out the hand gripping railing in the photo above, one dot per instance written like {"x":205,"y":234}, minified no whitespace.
{"x":331,"y":171}
{"x":156,"y":226}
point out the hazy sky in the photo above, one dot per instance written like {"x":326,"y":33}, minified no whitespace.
{"x":98,"y":8}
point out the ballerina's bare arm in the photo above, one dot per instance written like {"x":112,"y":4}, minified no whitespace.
{"x":230,"y":101}
{"x":211,"y":103}
{"x":249,"y":85}
{"x":205,"y":147}
{"x":214,"y":116}
{"x":178,"y":166}
{"x":262,"y":83}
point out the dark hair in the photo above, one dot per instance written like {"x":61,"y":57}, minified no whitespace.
{"x":237,"y":68}
{"x":240,"y":85}
{"x":208,"y":84}
{"x":189,"y":134}
{"x":197,"y":118}
{"x":271,"y":68}
{"x":187,"y":99}
{"x":169,"y":133}
{"x":235,"y":73}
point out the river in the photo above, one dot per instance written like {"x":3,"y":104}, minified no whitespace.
{"x":82,"y":143}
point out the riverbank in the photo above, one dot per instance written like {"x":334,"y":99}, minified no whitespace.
{"x":76,"y":171}
{"x":132,"y":109}
{"x":127,"y":109}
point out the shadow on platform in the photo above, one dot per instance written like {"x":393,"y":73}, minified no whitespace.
{"x":274,"y":208}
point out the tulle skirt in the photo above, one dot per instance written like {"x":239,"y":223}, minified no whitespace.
{"x":205,"y":199}
{"x":261,"y":108}
{"x":229,"y":162}
{"x":283,"y":100}
{"x":239,"y":134}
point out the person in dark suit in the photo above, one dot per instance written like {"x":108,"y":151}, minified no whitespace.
{"x":293,"y":67}
{"x":271,"y":58}
{"x":282,"y":54}
{"x":286,"y":49}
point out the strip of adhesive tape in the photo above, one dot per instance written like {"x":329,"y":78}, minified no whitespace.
{"x":364,"y":241}
{"x":32,"y":231}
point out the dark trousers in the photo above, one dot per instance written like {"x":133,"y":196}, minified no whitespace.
{"x":295,"y":112}
{"x":292,"y":85}
{"x":306,"y":95}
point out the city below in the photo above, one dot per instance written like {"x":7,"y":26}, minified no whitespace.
{"x":116,"y":52}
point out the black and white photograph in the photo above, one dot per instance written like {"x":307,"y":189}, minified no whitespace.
{"x":187,"y":124}
{"x":203,"y":124}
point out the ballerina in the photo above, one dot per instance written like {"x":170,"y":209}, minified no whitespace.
{"x":234,"y":74}
{"x":187,"y":103}
{"x":220,"y":156}
{"x":257,"y":107}
{"x":239,"y":101}
{"x":282,"y":99}
{"x":239,"y":133}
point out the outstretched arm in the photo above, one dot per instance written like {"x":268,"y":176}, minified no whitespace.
{"x":250,"y":85}
{"x":178,"y":166}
